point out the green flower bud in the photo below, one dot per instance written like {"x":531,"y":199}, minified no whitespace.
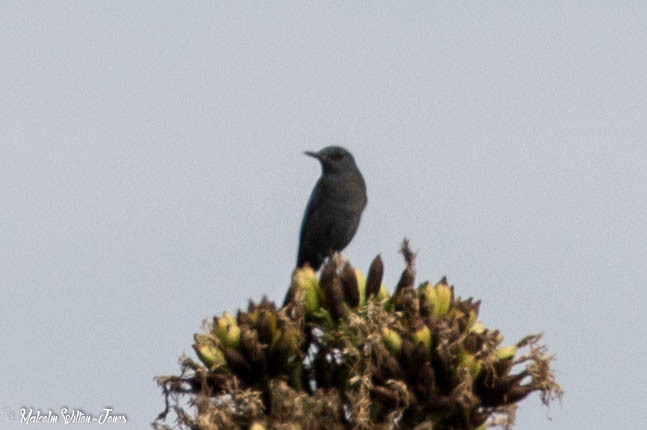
{"x":392,"y":340}
{"x":505,"y":352}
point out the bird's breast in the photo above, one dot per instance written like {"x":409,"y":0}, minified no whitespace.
{"x":346,"y":194}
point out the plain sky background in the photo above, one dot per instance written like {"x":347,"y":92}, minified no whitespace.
{"x":152,"y":175}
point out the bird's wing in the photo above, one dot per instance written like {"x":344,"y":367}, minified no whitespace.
{"x":313,"y":203}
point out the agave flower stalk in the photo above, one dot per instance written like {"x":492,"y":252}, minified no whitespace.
{"x":341,"y":353}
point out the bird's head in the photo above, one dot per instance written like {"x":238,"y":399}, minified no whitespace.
{"x":334,"y":159}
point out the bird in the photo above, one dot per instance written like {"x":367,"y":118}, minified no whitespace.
{"x":334,"y":209}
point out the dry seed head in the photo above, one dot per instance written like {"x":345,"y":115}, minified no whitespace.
{"x":425,"y":359}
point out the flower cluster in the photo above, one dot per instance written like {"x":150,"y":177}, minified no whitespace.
{"x":342,"y":353}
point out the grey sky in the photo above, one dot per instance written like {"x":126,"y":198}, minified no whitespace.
{"x":151,"y":174}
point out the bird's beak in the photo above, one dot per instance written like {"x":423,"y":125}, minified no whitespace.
{"x":316,"y":155}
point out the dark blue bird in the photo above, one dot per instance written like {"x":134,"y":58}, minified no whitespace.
{"x":334,"y":209}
